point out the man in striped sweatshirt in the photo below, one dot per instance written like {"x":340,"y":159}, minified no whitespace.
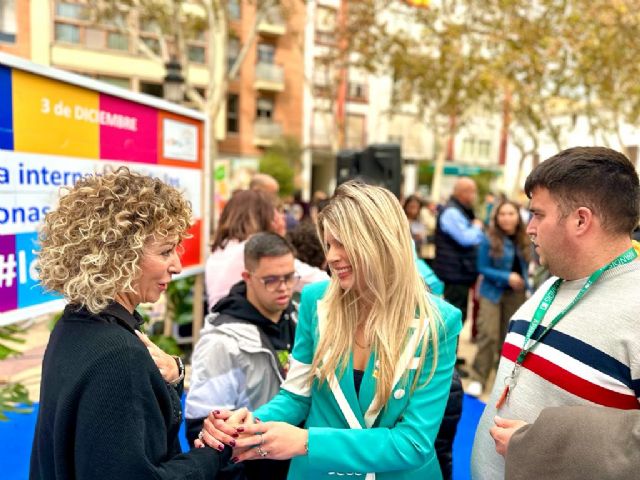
{"x":576,"y":340}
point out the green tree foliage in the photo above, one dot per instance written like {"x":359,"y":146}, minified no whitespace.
{"x":550,"y":61}
{"x":277,"y":165}
{"x":14,"y":397}
{"x":175,"y":22}
{"x":484,"y":181}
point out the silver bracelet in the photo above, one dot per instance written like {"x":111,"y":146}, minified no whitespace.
{"x":181,"y":369}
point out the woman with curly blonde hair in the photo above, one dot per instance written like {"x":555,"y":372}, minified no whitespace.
{"x":372,"y":362}
{"x":109,"y":402}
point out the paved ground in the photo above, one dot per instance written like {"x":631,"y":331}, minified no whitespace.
{"x":467,"y":350}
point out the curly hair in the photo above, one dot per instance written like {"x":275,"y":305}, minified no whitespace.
{"x":91,"y":245}
{"x":304,"y":238}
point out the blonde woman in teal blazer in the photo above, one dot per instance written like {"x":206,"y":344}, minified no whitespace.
{"x":365,"y":319}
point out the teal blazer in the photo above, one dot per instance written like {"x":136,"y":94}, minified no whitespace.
{"x":344,"y":437}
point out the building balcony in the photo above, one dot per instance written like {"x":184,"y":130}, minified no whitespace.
{"x":265,"y":132}
{"x":269,"y":76}
{"x":273,"y":23}
{"x":357,"y":92}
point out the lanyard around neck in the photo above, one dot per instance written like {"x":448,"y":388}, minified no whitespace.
{"x":550,"y":296}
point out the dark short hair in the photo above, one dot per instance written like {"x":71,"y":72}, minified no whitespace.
{"x":265,"y":244}
{"x":304,"y":238}
{"x":599,"y":178}
{"x":412,"y":198}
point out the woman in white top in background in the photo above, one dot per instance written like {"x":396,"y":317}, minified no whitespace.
{"x":247,"y":212}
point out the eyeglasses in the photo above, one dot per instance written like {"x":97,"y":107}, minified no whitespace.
{"x":272,"y":282}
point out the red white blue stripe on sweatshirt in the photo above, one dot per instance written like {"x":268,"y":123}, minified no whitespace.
{"x":576,"y":367}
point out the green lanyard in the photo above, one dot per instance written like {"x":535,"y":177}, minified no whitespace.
{"x":550,"y":296}
{"x":541,"y":311}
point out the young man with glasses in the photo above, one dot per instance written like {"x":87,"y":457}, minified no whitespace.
{"x":242,"y":355}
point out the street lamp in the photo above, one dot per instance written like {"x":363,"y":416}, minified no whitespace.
{"x":173,"y":82}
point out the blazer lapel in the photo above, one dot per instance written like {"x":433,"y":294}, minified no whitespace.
{"x":343,"y":390}
{"x":406,"y":361}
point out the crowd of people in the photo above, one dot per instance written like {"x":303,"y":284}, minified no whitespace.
{"x":330,"y":343}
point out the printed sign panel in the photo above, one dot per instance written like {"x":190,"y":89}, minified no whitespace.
{"x":53,"y":117}
{"x":180,"y":140}
{"x":63,"y":131}
{"x":128,"y":131}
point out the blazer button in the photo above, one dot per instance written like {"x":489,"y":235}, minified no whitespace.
{"x":398,"y":394}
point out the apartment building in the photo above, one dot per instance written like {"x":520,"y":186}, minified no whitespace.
{"x":265,"y":101}
{"x":60,"y":33}
{"x":337,"y":104}
{"x":15,"y":27}
{"x":370,"y":114}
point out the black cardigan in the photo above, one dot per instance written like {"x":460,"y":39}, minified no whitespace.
{"x":105,"y":411}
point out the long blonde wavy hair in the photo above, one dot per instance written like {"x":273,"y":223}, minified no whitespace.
{"x":93,"y":242}
{"x":374,"y":230}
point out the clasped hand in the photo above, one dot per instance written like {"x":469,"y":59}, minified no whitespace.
{"x":502,"y":432}
{"x":250,"y":438}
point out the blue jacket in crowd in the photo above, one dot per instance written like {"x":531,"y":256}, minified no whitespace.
{"x":495,"y":271}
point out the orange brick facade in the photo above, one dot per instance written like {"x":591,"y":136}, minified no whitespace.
{"x":287,"y":104}
{"x":22,"y":45}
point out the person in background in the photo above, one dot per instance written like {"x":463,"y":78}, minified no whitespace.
{"x":523,"y":201}
{"x":318,"y":202}
{"x":372,"y":362}
{"x":242,"y":355}
{"x":453,"y":411}
{"x":106,"y":409}
{"x":316,"y":208}
{"x":294,"y":216}
{"x":412,"y":208}
{"x":304,"y":239}
{"x":429,"y":215}
{"x":264,"y":183}
{"x":503,"y":262}
{"x":576,"y":340}
{"x":458,"y":233}
{"x":247,"y":212}
{"x":487,"y":209}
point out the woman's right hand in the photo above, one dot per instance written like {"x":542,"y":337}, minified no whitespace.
{"x":219,"y":428}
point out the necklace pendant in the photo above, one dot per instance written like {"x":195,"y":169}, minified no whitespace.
{"x":503,"y":397}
